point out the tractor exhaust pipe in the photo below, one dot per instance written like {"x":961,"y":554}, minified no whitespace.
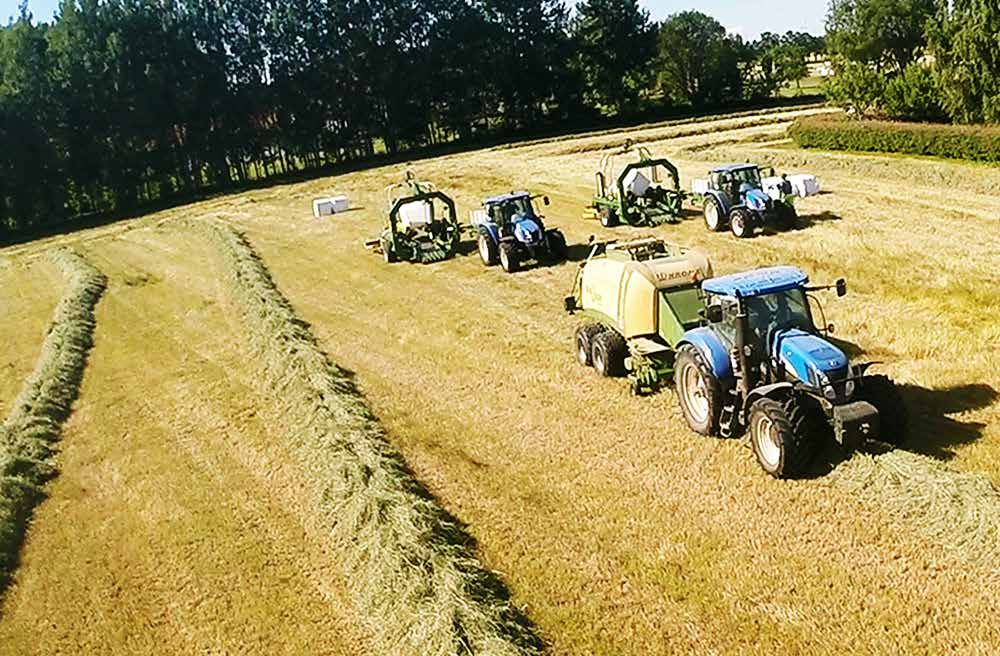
{"x":744,"y":380}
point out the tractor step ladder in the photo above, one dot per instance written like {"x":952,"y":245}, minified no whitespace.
{"x":728,"y":416}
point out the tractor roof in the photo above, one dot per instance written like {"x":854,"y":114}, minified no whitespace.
{"x":757,"y":282}
{"x":729,"y":168}
{"x":514,"y":195}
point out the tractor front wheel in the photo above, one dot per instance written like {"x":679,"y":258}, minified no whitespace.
{"x":713,"y":215}
{"x":556,"y":245}
{"x":509,"y":259}
{"x":882,"y":393}
{"x":487,"y":249}
{"x":607,"y":352}
{"x":779,"y":432}
{"x":697,"y":391}
{"x":584,"y":339}
{"x":741,"y":222}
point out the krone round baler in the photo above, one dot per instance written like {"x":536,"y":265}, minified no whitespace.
{"x":639,"y":298}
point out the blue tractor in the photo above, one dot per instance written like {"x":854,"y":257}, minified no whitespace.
{"x":734,"y":196}
{"x":511,"y":232}
{"x":762,"y":367}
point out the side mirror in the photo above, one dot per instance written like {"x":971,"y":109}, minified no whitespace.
{"x":829,"y":329}
{"x":841,"y":287}
{"x":713,"y":313}
{"x":545,"y":200}
{"x":590,"y":239}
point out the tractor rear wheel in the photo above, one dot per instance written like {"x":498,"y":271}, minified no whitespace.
{"x":609,"y":217}
{"x":741,"y":222}
{"x":509,"y":261}
{"x":882,"y":393}
{"x":487,"y":249}
{"x":781,"y":434}
{"x":697,"y":390}
{"x":607,"y":352}
{"x":714,"y":215}
{"x":584,"y":339}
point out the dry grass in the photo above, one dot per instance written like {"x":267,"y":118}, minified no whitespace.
{"x":410,"y":565}
{"x":615,"y":528}
{"x":34,"y":423}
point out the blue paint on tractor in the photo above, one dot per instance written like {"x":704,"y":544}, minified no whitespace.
{"x":804,"y":353}
{"x":712,"y":350}
{"x":757,"y":282}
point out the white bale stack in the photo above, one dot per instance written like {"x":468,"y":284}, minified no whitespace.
{"x":415,"y":214}
{"x":331,"y":205}
{"x":699,"y":186}
{"x":804,"y":184}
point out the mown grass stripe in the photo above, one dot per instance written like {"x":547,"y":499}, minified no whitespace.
{"x":411,"y":567}
{"x":34,"y":424}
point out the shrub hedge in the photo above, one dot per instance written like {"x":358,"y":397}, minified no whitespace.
{"x":979,"y":143}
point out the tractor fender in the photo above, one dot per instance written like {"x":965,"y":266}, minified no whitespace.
{"x":720,"y":198}
{"x":772,"y":391}
{"x":711,"y":349}
{"x":490,"y":230}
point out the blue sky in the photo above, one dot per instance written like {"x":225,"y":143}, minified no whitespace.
{"x":747,"y":18}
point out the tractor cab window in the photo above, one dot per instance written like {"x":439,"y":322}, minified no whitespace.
{"x":748,"y":175}
{"x":781,"y":310}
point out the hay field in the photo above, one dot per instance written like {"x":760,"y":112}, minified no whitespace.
{"x":178,"y":520}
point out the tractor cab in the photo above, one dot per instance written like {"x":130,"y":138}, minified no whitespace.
{"x":511,"y":230}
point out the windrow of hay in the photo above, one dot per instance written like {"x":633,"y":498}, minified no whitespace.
{"x":410,"y":566}
{"x":28,"y":434}
{"x":960,"y":511}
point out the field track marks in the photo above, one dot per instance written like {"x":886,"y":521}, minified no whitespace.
{"x":29,"y":296}
{"x":36,"y":416}
{"x":412,"y":567}
{"x":186,"y":546}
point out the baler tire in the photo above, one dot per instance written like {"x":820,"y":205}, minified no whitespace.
{"x":487,"y":249}
{"x":608,"y":354}
{"x":584,"y":339}
{"x":780,"y":449}
{"x":508,"y":258}
{"x":688,"y":357}
{"x":882,"y":393}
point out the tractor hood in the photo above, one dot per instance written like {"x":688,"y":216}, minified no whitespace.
{"x":802,"y":352}
{"x":527,"y":230}
{"x":757,"y":199}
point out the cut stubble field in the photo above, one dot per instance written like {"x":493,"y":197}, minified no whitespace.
{"x":178,"y":520}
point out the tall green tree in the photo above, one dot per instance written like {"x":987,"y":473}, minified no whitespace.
{"x":699,"y":61}
{"x":615,"y":43}
{"x":965,"y":42}
{"x":886,"y":34}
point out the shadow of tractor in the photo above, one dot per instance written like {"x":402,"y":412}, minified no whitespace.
{"x":932,"y":432}
{"x":804,"y":222}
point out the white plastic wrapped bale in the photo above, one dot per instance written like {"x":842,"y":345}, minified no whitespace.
{"x":332,"y":205}
{"x":478,"y":217}
{"x":804,"y":184}
{"x":699,"y":186}
{"x":415,"y":214}
{"x":636,"y":183}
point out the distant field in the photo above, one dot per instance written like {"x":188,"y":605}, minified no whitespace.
{"x":177,"y":524}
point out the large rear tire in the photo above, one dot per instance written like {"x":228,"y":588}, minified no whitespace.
{"x":487,"y":249}
{"x":584,"y":339}
{"x":714,"y":216}
{"x":882,"y":393}
{"x":608,"y":354}
{"x":781,"y":435}
{"x":556,"y":243}
{"x":698,"y":391}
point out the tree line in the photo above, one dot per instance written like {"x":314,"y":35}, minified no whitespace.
{"x":117,"y":104}
{"x":924,"y":60}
